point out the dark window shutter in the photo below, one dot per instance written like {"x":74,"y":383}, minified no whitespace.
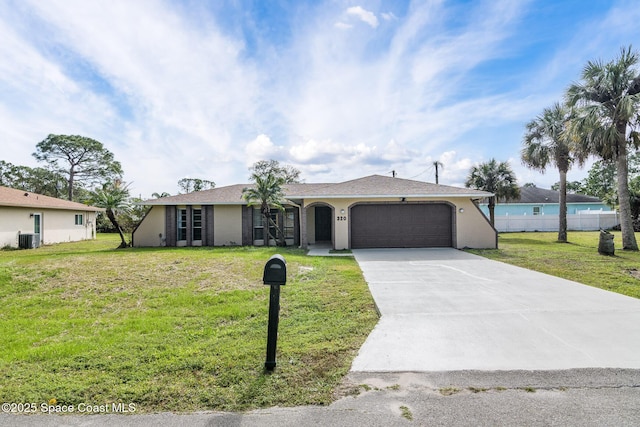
{"x":247,"y":225}
{"x":170,"y":225}
{"x":189,"y":226}
{"x":296,"y":227}
{"x":208,"y":220}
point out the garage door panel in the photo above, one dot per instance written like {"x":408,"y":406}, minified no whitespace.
{"x":401,"y":225}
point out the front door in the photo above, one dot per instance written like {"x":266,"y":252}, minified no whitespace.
{"x":37,"y":226}
{"x":323,"y":224}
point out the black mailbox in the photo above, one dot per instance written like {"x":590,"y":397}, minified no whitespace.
{"x":275,"y":274}
{"x":275,"y":271}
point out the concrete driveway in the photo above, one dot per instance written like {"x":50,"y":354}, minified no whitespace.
{"x":447,"y":310}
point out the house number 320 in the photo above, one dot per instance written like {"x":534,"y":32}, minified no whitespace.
{"x":342,"y":218}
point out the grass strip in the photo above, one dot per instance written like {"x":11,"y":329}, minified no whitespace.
{"x":577,"y":260}
{"x":175,"y":329}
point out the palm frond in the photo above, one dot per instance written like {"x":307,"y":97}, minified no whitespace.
{"x":546,"y":140}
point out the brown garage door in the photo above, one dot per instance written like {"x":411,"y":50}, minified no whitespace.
{"x":401,"y":226}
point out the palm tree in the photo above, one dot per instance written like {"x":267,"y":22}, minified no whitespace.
{"x":266,"y":193}
{"x":546,"y":142}
{"x":114,"y":198}
{"x":435,"y":165}
{"x":160,"y":195}
{"x":607,"y":102}
{"x":496,"y":178}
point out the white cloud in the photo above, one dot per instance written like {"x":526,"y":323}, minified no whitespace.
{"x":396,"y":152}
{"x":342,"y":25}
{"x":456,"y":169}
{"x":185,"y":87}
{"x":453,"y":171}
{"x":40,"y":98}
{"x":261,"y":148}
{"x":388,"y":16}
{"x":190,"y":96}
{"x":346,"y":103}
{"x":364,"y":15}
{"x":328,"y":151}
{"x":176,"y":91}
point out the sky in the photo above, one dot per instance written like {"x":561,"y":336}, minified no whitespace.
{"x":338,"y":89}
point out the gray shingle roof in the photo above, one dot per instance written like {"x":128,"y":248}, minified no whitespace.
{"x":368,"y":187}
{"x":383,"y":186}
{"x":21,"y":198}
{"x":541,"y":195}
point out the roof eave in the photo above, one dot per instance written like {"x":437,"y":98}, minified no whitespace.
{"x":382,"y":196}
{"x":189,"y":202}
{"x":61,"y":208}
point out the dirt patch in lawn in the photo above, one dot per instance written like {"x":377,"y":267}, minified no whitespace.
{"x":634,"y":273}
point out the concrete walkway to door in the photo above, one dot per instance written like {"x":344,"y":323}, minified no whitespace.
{"x":447,"y":310}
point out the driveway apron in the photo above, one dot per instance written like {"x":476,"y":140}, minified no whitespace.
{"x":447,"y":310}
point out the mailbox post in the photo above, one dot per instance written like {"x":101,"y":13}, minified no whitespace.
{"x":275,"y":274}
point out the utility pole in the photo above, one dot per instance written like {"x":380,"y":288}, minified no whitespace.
{"x":436,"y":164}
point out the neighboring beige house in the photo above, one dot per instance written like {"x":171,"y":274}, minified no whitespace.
{"x":48,"y":219}
{"x":371,"y":212}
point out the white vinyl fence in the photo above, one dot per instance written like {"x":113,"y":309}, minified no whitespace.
{"x":593,"y":220}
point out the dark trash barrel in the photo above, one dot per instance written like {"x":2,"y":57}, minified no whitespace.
{"x":605,"y":246}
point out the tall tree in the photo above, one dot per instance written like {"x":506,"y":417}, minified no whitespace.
{"x":35,"y":180}
{"x":607,"y":101}
{"x":268,"y":194}
{"x":601,"y":182}
{"x":80,"y":159}
{"x":545,"y":142}
{"x":435,"y":165}
{"x":187,"y":185}
{"x":601,"y":179}
{"x":287,"y":173}
{"x":113,"y":196}
{"x":133,"y":214}
{"x":7,"y":173}
{"x":496,"y":178}
{"x":634,"y":190}
{"x":573,"y":187}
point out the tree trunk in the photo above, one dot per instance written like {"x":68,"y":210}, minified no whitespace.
{"x":492,"y":207}
{"x":267,"y":234}
{"x":279,"y":233}
{"x":71,"y":179}
{"x":622,"y":170}
{"x":562,"y":215}
{"x":113,"y":220}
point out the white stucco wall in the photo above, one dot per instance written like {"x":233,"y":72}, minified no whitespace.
{"x":150,"y":232}
{"x":14,"y":221}
{"x":474,"y":230}
{"x":227,"y":225}
{"x":56,"y":226}
{"x":59,"y":226}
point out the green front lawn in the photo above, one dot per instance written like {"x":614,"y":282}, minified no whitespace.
{"x":578,"y":260}
{"x":174,"y":329}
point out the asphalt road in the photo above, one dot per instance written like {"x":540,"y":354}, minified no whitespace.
{"x":584,"y":397}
